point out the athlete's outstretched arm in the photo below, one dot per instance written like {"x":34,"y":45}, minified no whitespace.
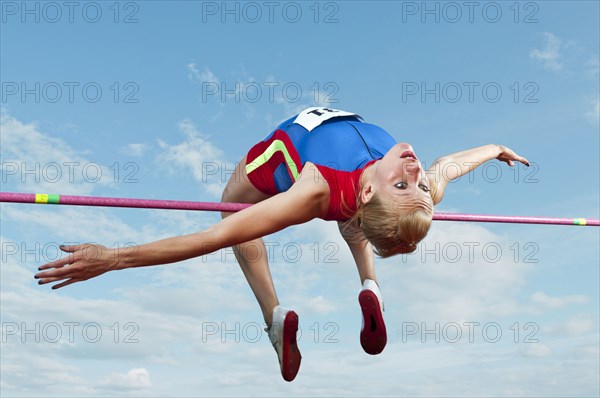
{"x":301,"y":203}
{"x":361,"y":249}
{"x":455,"y":165}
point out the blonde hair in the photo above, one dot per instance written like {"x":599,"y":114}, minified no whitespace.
{"x":391,"y":229}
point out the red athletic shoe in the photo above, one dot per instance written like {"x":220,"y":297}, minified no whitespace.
{"x":373,"y":336}
{"x":283,"y":337}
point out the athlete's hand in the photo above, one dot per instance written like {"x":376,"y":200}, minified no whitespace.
{"x":84,"y":261}
{"x":508,"y":155}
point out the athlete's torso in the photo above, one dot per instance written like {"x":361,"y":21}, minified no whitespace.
{"x":337,"y":142}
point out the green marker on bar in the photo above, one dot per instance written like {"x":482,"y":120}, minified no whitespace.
{"x":47,"y":199}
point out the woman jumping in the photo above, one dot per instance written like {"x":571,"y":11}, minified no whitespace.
{"x":322,"y":163}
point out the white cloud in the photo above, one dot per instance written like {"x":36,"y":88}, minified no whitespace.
{"x":549,"y":54}
{"x":197,"y":154}
{"x":537,"y":350}
{"x":88,"y":224}
{"x":593,"y":112}
{"x":18,"y":368}
{"x":321,"y":305}
{"x":37,"y":162}
{"x":575,"y":326}
{"x":205,"y":76}
{"x":174,"y":303}
{"x":58,"y":359}
{"x":247,"y":91}
{"x":134,"y":149}
{"x":557,"y":302}
{"x":134,"y":379}
{"x":587,"y":351}
{"x":460,"y":272}
{"x":593,"y":66}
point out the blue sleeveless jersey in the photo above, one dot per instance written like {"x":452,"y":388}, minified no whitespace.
{"x":340,"y":147}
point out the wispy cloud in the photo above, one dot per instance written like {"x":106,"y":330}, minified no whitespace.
{"x":199,"y":155}
{"x":35,"y":161}
{"x":137,"y":378}
{"x":557,"y":302}
{"x":135,"y":149}
{"x":550,"y":52}
{"x":536,"y":350}
{"x":247,"y":93}
{"x":205,"y":76}
{"x":577,"y":325}
{"x":465,"y":274}
{"x":593,"y":113}
{"x":592,"y":66}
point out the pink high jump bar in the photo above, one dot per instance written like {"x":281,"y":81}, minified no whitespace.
{"x":232,"y":207}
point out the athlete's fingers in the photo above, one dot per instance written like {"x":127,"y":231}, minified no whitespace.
{"x":72,"y":248}
{"x":58,"y":263}
{"x":71,"y":258}
{"x":46,"y":280}
{"x":50,"y":265}
{"x":66,"y":283}
{"x":53,"y":273}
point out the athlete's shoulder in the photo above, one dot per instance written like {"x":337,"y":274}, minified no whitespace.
{"x":313,"y":184}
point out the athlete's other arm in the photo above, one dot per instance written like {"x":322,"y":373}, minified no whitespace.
{"x":455,"y":165}
{"x":361,"y":250}
{"x":305,"y":200}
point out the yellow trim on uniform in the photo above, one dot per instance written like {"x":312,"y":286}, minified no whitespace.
{"x":276,"y":146}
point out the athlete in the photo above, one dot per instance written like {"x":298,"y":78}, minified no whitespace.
{"x":322,"y":163}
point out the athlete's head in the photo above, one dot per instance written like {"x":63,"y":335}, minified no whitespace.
{"x":395,"y":208}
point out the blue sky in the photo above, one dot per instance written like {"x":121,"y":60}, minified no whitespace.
{"x":186,"y":87}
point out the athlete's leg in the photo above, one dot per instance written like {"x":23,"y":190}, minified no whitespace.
{"x":373,"y":335}
{"x":252,"y":256}
{"x":366,"y":270}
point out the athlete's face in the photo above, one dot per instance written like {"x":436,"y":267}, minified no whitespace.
{"x":400,"y":177}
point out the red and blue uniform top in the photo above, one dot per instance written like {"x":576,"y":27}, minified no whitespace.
{"x":340,"y":145}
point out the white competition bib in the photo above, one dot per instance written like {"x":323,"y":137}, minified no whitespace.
{"x":313,"y":117}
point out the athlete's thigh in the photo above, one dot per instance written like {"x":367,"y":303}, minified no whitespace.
{"x":240,"y":189}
